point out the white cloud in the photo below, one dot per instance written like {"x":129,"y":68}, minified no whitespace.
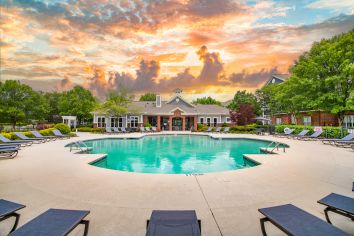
{"x":342,"y":5}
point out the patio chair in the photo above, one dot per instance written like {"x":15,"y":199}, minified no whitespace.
{"x":313,"y":136}
{"x":142,"y":130}
{"x":21,"y":142}
{"x":109,"y":130}
{"x":8,"y":209}
{"x":260,"y":131}
{"x":116,"y":130}
{"x":153,"y":129}
{"x":299,"y":135}
{"x":9,"y":151}
{"x":54,"y":222}
{"x":218,"y":130}
{"x":339,"y":204}
{"x":287,"y":133}
{"x":226,"y":130}
{"x":24,"y":137}
{"x":295,"y":221}
{"x":210,"y":129}
{"x":147,"y":129}
{"x":38,"y":135}
{"x":124,"y":130}
{"x":332,"y":141}
{"x":163,"y":223}
{"x":58,"y":134}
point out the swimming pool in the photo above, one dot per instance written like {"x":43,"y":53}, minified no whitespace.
{"x":170,"y":154}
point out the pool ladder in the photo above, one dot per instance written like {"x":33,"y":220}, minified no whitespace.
{"x":277,"y":144}
{"x":78,"y":145}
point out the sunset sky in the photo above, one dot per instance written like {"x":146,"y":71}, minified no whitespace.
{"x":204,"y":47}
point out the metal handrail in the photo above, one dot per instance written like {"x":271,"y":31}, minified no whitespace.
{"x":78,"y":146}
{"x":275,"y":147}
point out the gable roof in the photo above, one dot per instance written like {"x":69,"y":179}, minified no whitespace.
{"x":277,"y":79}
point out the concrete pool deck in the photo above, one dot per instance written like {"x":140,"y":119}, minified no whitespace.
{"x":50,"y":176}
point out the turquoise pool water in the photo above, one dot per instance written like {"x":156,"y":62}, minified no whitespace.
{"x":169,"y":154}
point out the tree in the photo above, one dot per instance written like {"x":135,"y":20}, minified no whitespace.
{"x":244,"y":115}
{"x":78,"y":102}
{"x":53,"y":99}
{"x":117,"y":104}
{"x":328,"y":69}
{"x":148,"y":97}
{"x":18,"y":102}
{"x":207,"y":100}
{"x":243,"y":97}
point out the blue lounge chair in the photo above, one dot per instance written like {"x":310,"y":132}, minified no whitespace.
{"x":209,"y":129}
{"x":109,"y":130}
{"x":9,"y":151}
{"x":287,"y":133}
{"x":58,"y":134}
{"x":147,"y":129}
{"x":294,"y":221}
{"x":124,"y":130}
{"x":8,"y":209}
{"x":38,"y":135}
{"x":339,"y":204}
{"x":24,"y":137}
{"x":142,"y":129}
{"x":299,"y":135}
{"x":153,"y":129}
{"x":226,"y":130}
{"x":313,"y":136}
{"x":116,"y":130}
{"x":164,"y":223}
{"x":332,"y":141}
{"x":54,"y":222}
{"x":21,"y":142}
{"x":218,"y":130}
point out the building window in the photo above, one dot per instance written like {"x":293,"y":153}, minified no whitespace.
{"x":278,"y":120}
{"x":307,"y":120}
{"x":228,"y":120}
{"x":101,"y":122}
{"x":117,"y":122}
{"x":134,"y":120}
{"x":348,"y":121}
{"x":201,"y":120}
{"x":208,"y":121}
{"x":215,"y":123}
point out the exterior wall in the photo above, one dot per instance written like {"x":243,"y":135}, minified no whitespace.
{"x":318,"y":118}
{"x":221,"y":119}
{"x":124,"y":123}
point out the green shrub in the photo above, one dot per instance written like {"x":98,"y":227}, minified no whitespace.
{"x":92,"y":130}
{"x":47,"y":132}
{"x":148,"y":125}
{"x":328,"y":131}
{"x":241,"y":129}
{"x":63,"y":128}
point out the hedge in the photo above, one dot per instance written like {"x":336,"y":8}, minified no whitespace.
{"x":92,"y":130}
{"x":328,"y":131}
{"x":63,"y":128}
{"x":44,"y":132}
{"x":240,"y":129}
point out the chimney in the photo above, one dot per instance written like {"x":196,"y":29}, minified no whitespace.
{"x":158,"y":100}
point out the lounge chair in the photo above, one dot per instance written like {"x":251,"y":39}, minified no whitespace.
{"x":147,"y":129}
{"x":339,"y":204}
{"x":54,"y":222}
{"x":210,"y":129}
{"x":24,"y":137}
{"x":124,"y":130}
{"x":332,"y":141}
{"x":287,"y":133}
{"x":218,"y":130}
{"x":109,"y":130}
{"x":153,"y":129}
{"x":38,"y":135}
{"x":21,"y":142}
{"x":116,"y":130}
{"x":8,"y":209}
{"x":9,"y":151}
{"x":163,"y":223}
{"x":142,"y":129}
{"x":260,"y":131}
{"x":313,"y":136}
{"x":226,"y":130}
{"x":58,"y":134}
{"x":295,"y":221}
{"x":299,"y":135}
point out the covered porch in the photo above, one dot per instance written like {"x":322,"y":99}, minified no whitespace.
{"x":171,"y":122}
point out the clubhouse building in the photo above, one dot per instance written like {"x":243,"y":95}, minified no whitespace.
{"x":176,"y":114}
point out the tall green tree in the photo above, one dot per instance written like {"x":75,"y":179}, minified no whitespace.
{"x":18,"y":102}
{"x":327,"y":69}
{"x":244,"y":98}
{"x":148,"y":97}
{"x":207,"y":100}
{"x":118,"y":103}
{"x":53,"y":99}
{"x":78,"y":102}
